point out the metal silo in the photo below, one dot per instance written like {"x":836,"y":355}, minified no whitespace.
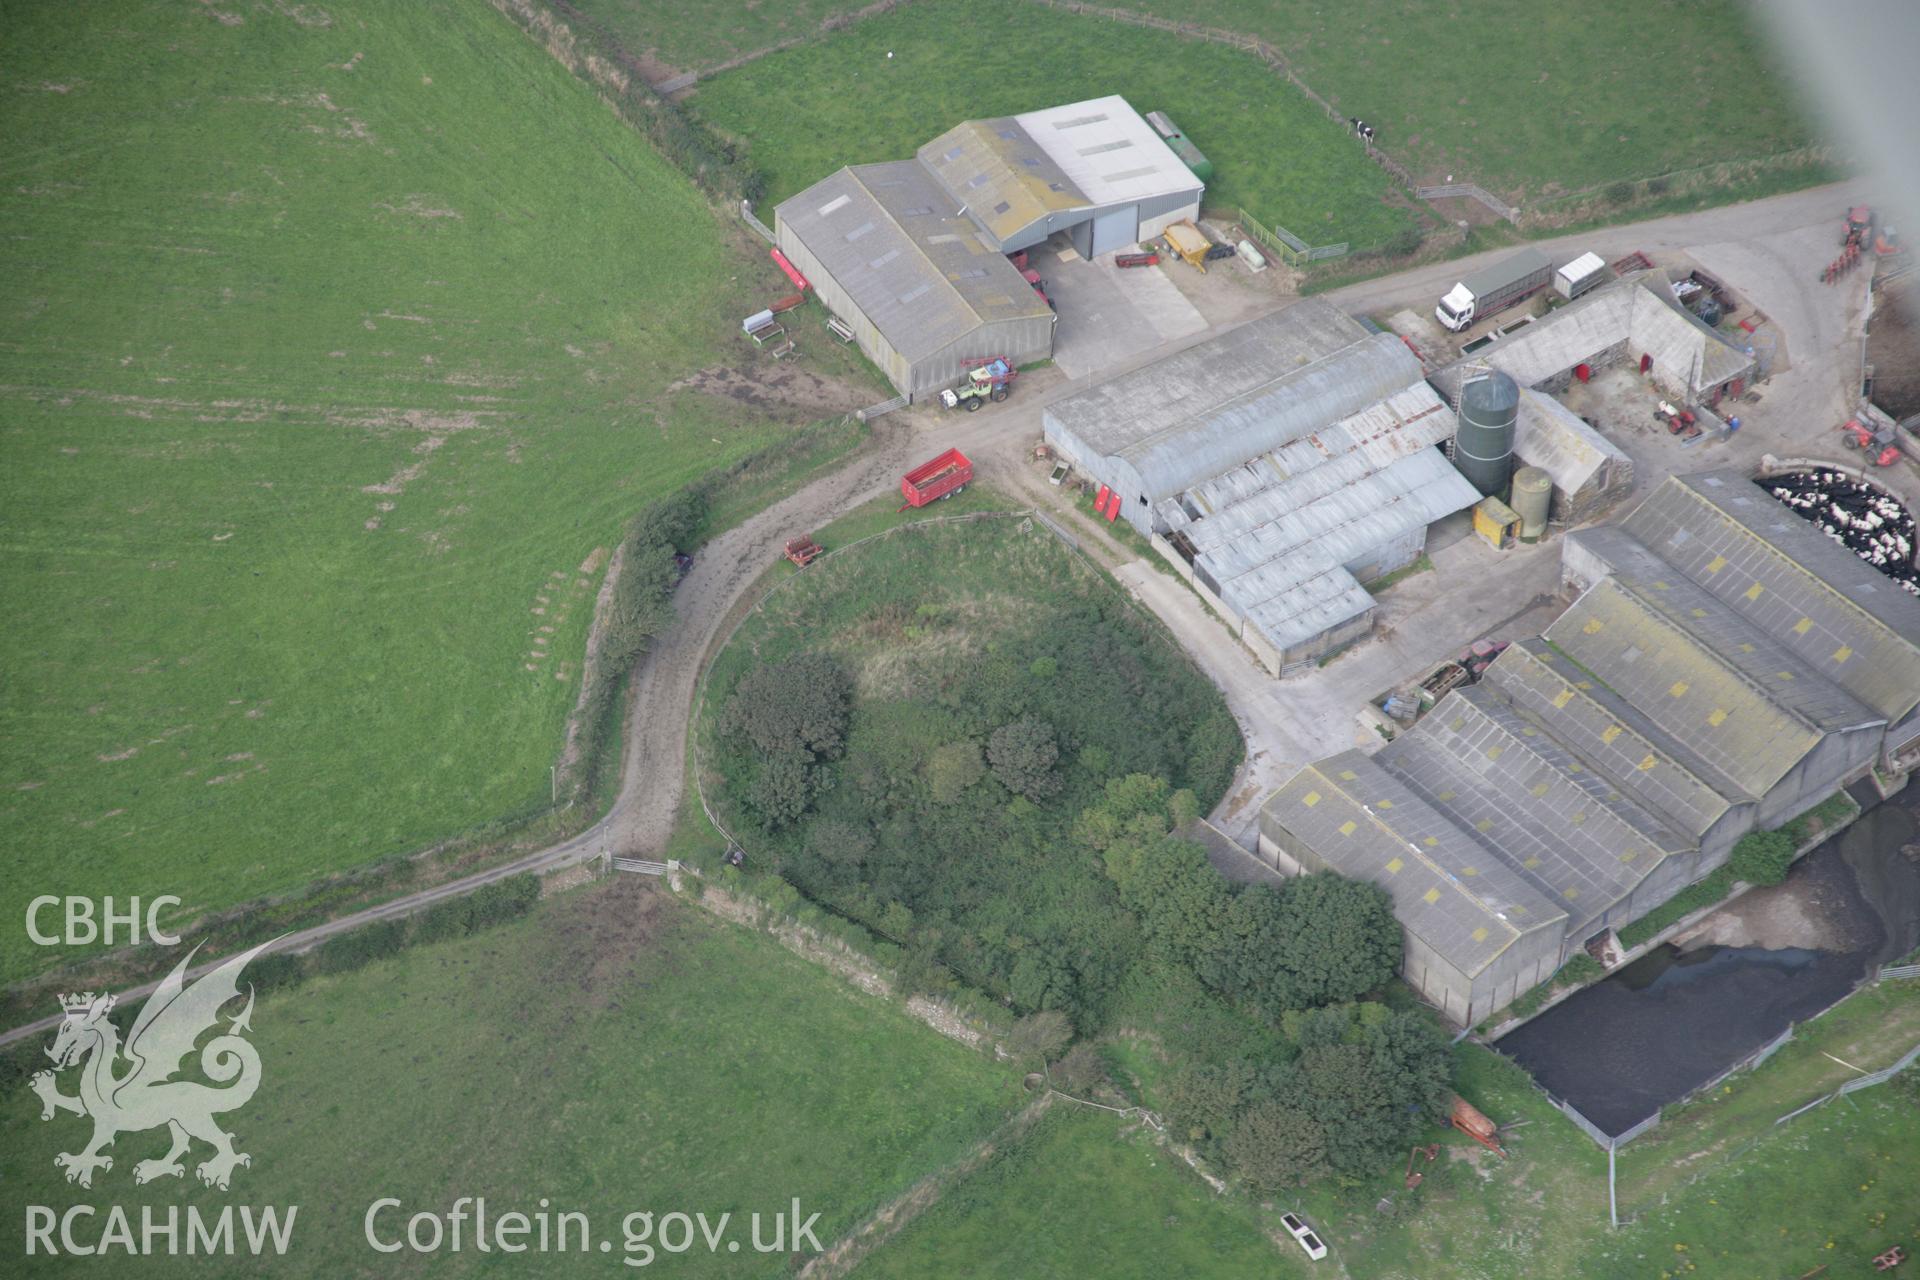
{"x":1483,"y":446}
{"x":1532,"y":494}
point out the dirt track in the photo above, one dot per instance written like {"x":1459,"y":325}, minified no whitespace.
{"x":653,"y":772}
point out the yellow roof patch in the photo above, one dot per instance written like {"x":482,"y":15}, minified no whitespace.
{"x":1570,"y":894}
{"x":1608,"y":734}
{"x":1310,"y":799}
{"x":1396,"y":865}
{"x":1480,"y":934}
{"x":1348,"y":827}
{"x":1431,"y":896}
{"x":1386,"y":804}
{"x":1646,"y":762}
{"x":1718,"y":718}
{"x":1348,"y":775}
{"x":1563,"y":697}
{"x":1753,"y":592}
{"x":1716,"y":564}
{"x":1540,"y":789}
{"x":1844,"y":652}
{"x":1493,"y":753}
{"x":1803,"y":626}
{"x":1531,"y":864}
{"x":1593,"y":626}
{"x":1679,"y":689}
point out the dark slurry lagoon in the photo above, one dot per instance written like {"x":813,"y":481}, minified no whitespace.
{"x":1674,"y":1019}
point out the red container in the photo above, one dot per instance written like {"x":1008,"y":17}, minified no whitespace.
{"x":1100,"y":500}
{"x":1583,"y":371}
{"x":1113,"y":509}
{"x":942,"y":477}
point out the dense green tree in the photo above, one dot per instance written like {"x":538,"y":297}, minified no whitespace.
{"x":1273,"y":1145}
{"x":1023,"y":753}
{"x":1041,"y":980}
{"x":1202,"y":1099}
{"x":782,"y":788}
{"x":1342,"y":939}
{"x":802,"y":704}
{"x":953,"y":768}
{"x":836,"y":842}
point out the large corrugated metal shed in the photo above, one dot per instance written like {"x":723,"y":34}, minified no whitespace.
{"x":1552,"y":437}
{"x":1165,"y":403}
{"x":1271,"y":536}
{"x":1838,"y":614}
{"x":1286,"y":573}
{"x":1023,"y":176}
{"x":1109,"y":151}
{"x":1447,"y":888}
{"x":1176,"y":423}
{"x":1757,"y":655}
{"x":1530,"y":800}
{"x":1704,"y":676}
{"x":996,"y":171}
{"x":921,"y":273}
{"x":1611,"y":739}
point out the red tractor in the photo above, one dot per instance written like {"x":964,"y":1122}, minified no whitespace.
{"x":1879,"y":445}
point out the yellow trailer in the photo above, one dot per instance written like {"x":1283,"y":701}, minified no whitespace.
{"x":1186,"y":240}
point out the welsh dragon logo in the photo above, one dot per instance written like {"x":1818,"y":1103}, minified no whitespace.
{"x":145,"y":1095}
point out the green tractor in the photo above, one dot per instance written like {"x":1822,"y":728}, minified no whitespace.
{"x":987,"y":379}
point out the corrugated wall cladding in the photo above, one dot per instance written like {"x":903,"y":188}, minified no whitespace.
{"x":872,"y":343}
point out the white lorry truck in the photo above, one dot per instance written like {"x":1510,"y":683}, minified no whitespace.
{"x":1494,"y":288}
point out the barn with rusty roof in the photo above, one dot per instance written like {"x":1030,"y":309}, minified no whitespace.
{"x":1724,"y":668}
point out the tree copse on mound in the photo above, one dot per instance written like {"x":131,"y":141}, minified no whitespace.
{"x":793,"y":714}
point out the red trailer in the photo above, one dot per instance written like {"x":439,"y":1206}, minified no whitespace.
{"x":943,"y":477}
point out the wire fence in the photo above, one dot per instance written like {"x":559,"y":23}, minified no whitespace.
{"x":1470,"y":191}
{"x":1902,"y":971}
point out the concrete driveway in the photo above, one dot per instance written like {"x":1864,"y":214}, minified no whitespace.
{"x":1110,"y":316}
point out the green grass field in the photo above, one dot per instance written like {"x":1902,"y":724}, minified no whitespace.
{"x":841,"y":100}
{"x":678,"y":38}
{"x":618,"y":1051}
{"x":1748,"y":1199}
{"x":339,"y":345}
{"x":1084,"y":1194}
{"x":1529,"y":98}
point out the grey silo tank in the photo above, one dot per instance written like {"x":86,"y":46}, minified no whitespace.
{"x":1532,"y":495}
{"x":1483,"y":446}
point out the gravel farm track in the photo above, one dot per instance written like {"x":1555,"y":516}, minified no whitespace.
{"x":717,"y":591}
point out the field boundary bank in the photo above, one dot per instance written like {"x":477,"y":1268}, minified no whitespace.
{"x":846,"y":1254}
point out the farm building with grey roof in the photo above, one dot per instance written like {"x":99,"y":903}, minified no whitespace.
{"x":911,"y":254}
{"x":1715,"y":674}
{"x":1278,"y":467}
